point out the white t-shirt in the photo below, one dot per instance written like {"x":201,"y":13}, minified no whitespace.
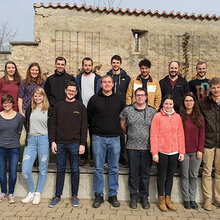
{"x":87,"y":88}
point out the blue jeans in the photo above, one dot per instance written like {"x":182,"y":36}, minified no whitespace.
{"x":102,"y":147}
{"x":62,"y":150}
{"x":139,"y":173}
{"x":36,"y":145}
{"x":10,"y":155}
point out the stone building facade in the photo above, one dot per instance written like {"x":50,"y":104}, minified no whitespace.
{"x":75,"y":32}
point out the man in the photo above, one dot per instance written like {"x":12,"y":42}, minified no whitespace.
{"x":88,"y":85}
{"x":200,"y":86}
{"x":103,"y":116}
{"x":135,"y":122}
{"x":210,"y":107}
{"x":68,"y":136}
{"x":121,"y":81}
{"x":56,"y":83}
{"x":174,"y":84}
{"x":144,"y":80}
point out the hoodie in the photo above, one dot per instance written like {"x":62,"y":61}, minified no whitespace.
{"x":121,"y":85}
{"x":103,"y":114}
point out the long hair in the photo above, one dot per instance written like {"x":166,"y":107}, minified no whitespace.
{"x":45,"y":104}
{"x":30,"y":80}
{"x":196,"y":115}
{"x":17,"y":77}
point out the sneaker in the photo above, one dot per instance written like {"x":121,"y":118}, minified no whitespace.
{"x":123,"y":163}
{"x":75,"y":201}
{"x":113,"y":201}
{"x":11,"y":198}
{"x":36,"y":199}
{"x":145,"y":203}
{"x":3,"y":196}
{"x":28,"y":198}
{"x":54,"y":201}
{"x":133,"y":204}
{"x":187,"y":205}
{"x":82,"y":162}
{"x":98,"y":200}
{"x":194,"y":205}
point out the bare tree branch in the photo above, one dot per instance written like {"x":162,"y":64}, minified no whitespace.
{"x":6,"y":35}
{"x":104,"y":3}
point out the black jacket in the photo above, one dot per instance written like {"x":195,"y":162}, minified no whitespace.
{"x":55,"y":87}
{"x":211,"y":113}
{"x":121,"y":86}
{"x":27,"y":122}
{"x":178,"y":91}
{"x":103,"y":114}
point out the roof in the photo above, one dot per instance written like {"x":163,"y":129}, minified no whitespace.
{"x":129,"y":12}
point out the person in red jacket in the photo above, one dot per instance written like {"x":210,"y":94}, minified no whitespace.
{"x":167,"y":147}
{"x":193,"y":123}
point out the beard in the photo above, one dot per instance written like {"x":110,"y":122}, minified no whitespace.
{"x":87,"y":73}
{"x":201,"y":74}
{"x":173,"y":75}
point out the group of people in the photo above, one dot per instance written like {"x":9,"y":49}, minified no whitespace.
{"x":169,"y":121}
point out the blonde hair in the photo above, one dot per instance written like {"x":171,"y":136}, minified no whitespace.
{"x":45,"y":104}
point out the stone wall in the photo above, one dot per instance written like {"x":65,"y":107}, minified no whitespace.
{"x":4,"y":57}
{"x":78,"y":33}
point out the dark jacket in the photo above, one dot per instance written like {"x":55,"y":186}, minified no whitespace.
{"x":27,"y":122}
{"x":55,"y":87}
{"x":178,"y":91}
{"x":97,"y":85}
{"x":103,"y":114}
{"x":211,"y":113}
{"x":121,"y":86}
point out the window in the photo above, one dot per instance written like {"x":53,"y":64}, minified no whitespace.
{"x":140,"y":40}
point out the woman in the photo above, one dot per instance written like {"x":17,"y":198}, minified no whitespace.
{"x":167,"y":147}
{"x":193,"y":123}
{"x":9,"y":83}
{"x":11,"y":123}
{"x":36,"y":125}
{"x":33,"y":80}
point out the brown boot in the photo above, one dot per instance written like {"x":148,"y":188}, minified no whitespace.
{"x":217,"y":203}
{"x":207,"y":205}
{"x":162,"y":204}
{"x":169,"y":204}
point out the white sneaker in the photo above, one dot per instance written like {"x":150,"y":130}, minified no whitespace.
{"x":11,"y":198}
{"x":36,"y":199}
{"x":28,"y":198}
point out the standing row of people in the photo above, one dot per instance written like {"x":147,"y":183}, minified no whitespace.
{"x":103,"y":118}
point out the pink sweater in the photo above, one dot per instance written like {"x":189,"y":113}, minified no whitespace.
{"x":167,"y":134}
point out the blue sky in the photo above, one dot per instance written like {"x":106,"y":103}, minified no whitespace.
{"x":19,"y":14}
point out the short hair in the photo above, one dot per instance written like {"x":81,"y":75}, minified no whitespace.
{"x":106,"y":76}
{"x":8,"y":98}
{"x":71,"y":83}
{"x":61,"y":59}
{"x":174,"y":61}
{"x":87,"y":59}
{"x":200,"y":63}
{"x":45,"y":104}
{"x":145,"y":62}
{"x":141,"y":89}
{"x":214,"y":81}
{"x":168,"y":96}
{"x":116,"y":57}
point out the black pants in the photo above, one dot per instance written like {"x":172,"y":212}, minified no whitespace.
{"x":85,"y":156}
{"x":139,"y":173}
{"x":166,"y":169}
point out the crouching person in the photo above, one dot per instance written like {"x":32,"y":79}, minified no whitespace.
{"x":135,"y":122}
{"x":68,"y":136}
{"x":37,"y":144}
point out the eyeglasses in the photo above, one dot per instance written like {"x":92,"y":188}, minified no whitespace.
{"x":140,"y":95}
{"x":72,"y":91}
